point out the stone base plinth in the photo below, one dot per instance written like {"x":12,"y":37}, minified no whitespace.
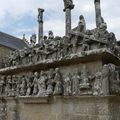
{"x":66,"y":108}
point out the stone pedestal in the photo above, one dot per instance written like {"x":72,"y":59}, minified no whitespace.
{"x":65,"y":108}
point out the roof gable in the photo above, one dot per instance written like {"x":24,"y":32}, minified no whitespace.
{"x":11,"y":41}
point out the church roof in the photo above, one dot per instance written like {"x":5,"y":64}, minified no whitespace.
{"x":11,"y":41}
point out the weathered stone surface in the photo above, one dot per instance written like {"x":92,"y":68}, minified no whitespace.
{"x":74,"y":77}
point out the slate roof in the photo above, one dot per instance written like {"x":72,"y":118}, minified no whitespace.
{"x":11,"y":41}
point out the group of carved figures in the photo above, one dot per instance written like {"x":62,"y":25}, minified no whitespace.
{"x":61,"y":48}
{"x":53,"y":82}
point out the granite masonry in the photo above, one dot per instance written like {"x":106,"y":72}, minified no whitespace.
{"x":74,"y":77}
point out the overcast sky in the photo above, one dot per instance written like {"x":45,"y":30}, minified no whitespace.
{"x":20,"y":16}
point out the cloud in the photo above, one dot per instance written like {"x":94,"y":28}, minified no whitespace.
{"x":20,"y":16}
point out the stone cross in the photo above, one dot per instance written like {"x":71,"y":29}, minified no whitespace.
{"x":40,"y":22}
{"x":98,"y":13}
{"x":68,"y":6}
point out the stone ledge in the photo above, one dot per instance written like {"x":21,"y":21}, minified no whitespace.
{"x":88,"y":56}
{"x":35,"y":100}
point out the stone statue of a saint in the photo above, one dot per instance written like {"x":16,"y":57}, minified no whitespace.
{"x":97,"y":84}
{"x":105,"y":79}
{"x":50,"y":35}
{"x":35,"y":83}
{"x":75,"y":83}
{"x":23,"y":87}
{"x":57,"y":82}
{"x":81,"y":25}
{"x":2,"y":84}
{"x":40,"y":15}
{"x":51,"y":75}
{"x":42,"y":84}
{"x":33,"y":39}
{"x":67,"y":85}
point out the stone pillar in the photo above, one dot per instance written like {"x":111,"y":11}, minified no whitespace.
{"x":68,"y":21}
{"x":68,"y":7}
{"x":98,"y":12}
{"x":40,"y":24}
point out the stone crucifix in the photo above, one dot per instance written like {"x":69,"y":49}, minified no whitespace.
{"x":98,"y":13}
{"x":40,"y":23}
{"x":68,"y":6}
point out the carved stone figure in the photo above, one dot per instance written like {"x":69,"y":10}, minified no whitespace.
{"x":19,"y":81}
{"x":66,"y":46}
{"x":50,"y":81}
{"x":102,"y":31}
{"x":8,"y":88}
{"x":42,"y":84}
{"x":39,"y":53}
{"x":50,"y":35}
{"x":105,"y":80}
{"x":11,"y":58}
{"x":29,"y":86}
{"x":2,"y":85}
{"x":14,"y":85}
{"x":114,"y":80}
{"x":35,"y":83}
{"x":97,"y":84}
{"x":85,"y":87}
{"x":81,"y":25}
{"x":84,"y":77}
{"x":33,"y":39}
{"x":57,"y":82}
{"x":22,"y":56}
{"x":31,"y":55}
{"x":67,"y":85}
{"x":23,"y":86}
{"x":75,"y":83}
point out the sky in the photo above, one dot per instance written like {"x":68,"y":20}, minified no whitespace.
{"x":18,"y":17}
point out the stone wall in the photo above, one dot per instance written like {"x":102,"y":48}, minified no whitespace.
{"x":4,"y":52}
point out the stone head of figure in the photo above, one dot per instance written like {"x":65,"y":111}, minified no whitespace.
{"x":40,"y":10}
{"x":14,"y":77}
{"x":57,"y":70}
{"x":8,"y":77}
{"x":2,"y":77}
{"x":36,"y":74}
{"x":81,"y":17}
{"x":45,"y":37}
{"x":42,"y":73}
{"x":50,"y":32}
{"x":76,"y":71}
{"x":112,"y":35}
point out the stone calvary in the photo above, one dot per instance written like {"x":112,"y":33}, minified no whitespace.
{"x":74,"y":77}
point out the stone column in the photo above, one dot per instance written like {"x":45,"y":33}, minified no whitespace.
{"x":40,"y":24}
{"x":98,"y":12}
{"x":68,"y":7}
